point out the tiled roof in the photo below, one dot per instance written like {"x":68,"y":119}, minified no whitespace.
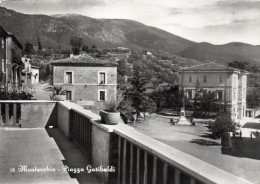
{"x":209,"y":67}
{"x":82,"y":60}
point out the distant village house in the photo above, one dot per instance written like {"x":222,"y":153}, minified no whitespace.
{"x":88,"y":81}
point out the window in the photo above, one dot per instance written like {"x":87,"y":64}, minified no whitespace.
{"x":220,"y":79}
{"x":102,"y":78}
{"x":69,"y":77}
{"x":244,"y":93}
{"x":190,"y":79}
{"x":220,"y":95}
{"x":235,"y":80}
{"x":234,"y":93}
{"x":204,"y":78}
{"x":189,"y":94}
{"x":3,"y":44}
{"x":68,"y":95}
{"x":102,"y":95}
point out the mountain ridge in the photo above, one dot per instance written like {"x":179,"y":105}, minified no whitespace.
{"x":56,"y":30}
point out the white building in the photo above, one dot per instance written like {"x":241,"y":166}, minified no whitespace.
{"x":30,"y":75}
{"x":228,"y":83}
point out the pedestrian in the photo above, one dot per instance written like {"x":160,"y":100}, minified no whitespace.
{"x":240,"y":134}
{"x":251,"y":136}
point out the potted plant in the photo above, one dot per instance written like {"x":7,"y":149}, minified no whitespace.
{"x":110,"y":114}
{"x":57,"y":93}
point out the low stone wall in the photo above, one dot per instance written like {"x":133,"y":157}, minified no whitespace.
{"x":34,"y":114}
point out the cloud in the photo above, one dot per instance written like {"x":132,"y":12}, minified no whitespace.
{"x":83,"y":3}
{"x":239,"y":5}
{"x":192,"y":19}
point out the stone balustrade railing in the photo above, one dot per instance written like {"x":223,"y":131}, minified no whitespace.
{"x":136,"y":158}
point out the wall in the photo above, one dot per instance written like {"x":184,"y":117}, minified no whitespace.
{"x":85,"y":85}
{"x":84,"y":75}
{"x":100,"y":150}
{"x":100,"y":134}
{"x":64,"y":119}
{"x":35,"y":114}
{"x":212,"y":81}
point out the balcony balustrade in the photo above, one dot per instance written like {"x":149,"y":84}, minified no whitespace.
{"x":137,"y":159}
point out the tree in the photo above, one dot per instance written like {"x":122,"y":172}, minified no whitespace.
{"x":28,"y":48}
{"x":39,"y":43}
{"x":222,"y":124}
{"x":123,"y":68}
{"x":253,"y":99}
{"x":141,"y":101}
{"x":76,"y":43}
{"x":85,"y":48}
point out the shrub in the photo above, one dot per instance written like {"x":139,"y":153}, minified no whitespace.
{"x":222,"y":124}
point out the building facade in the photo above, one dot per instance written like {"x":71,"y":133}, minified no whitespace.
{"x":30,"y":75}
{"x":89,"y":82}
{"x":11,"y":63}
{"x":230,"y":84}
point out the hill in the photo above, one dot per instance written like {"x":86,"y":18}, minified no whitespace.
{"x":224,"y":54}
{"x":55,"y":31}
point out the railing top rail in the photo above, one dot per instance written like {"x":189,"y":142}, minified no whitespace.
{"x":195,"y":167}
{"x":27,"y":101}
{"x":87,"y":113}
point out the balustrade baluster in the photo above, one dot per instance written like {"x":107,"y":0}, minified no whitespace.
{"x":131,"y":164}
{"x":124,"y":163}
{"x":119,"y":159}
{"x":138,"y":166}
{"x":1,"y":119}
{"x":165,"y":173}
{"x":177,"y":176}
{"x":154,"y":169}
{"x":14,"y":114}
{"x":7,"y":114}
{"x":145,"y":167}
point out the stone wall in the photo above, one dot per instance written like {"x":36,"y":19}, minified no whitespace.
{"x":85,"y":85}
{"x":84,"y":74}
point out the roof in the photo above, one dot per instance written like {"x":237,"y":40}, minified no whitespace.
{"x":83,"y":60}
{"x":212,"y":66}
{"x":15,"y":40}
{"x":3,"y":32}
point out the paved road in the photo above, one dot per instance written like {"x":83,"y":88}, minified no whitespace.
{"x":35,"y":148}
{"x":243,"y":160}
{"x":40,"y":93}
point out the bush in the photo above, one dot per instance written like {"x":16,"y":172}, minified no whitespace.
{"x":15,"y":95}
{"x":222,"y":124}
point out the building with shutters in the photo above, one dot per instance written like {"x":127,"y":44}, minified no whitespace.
{"x":230,"y":84}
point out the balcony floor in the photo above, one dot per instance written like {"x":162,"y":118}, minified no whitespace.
{"x":36,"y":148}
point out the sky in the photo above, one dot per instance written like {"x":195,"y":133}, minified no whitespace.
{"x":214,"y":21}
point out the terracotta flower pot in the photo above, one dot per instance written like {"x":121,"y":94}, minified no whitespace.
{"x":59,"y":98}
{"x":111,"y":118}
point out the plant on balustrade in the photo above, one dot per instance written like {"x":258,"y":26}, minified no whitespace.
{"x":57,"y":92}
{"x":110,"y":114}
